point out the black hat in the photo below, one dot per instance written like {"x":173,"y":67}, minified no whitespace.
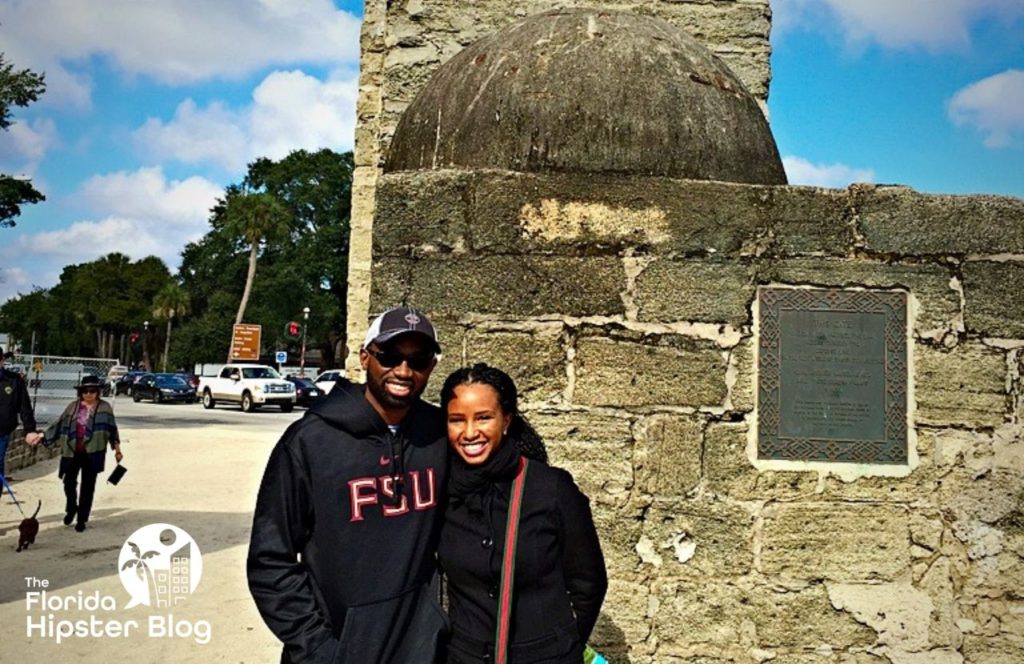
{"x":89,"y":380}
{"x":401,"y":320}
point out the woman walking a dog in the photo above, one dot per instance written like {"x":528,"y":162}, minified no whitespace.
{"x":84,"y":430}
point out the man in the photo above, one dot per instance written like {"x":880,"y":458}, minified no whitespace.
{"x":14,"y":403}
{"x":348,"y":514}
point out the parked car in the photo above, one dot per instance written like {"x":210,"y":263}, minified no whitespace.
{"x":249,"y":385}
{"x":163,"y":387}
{"x":306,"y":391}
{"x":326,"y":380}
{"x":189,"y":378}
{"x":125,"y":383}
{"x":116,"y":372}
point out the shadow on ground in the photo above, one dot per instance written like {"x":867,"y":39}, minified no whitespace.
{"x":67,"y":558}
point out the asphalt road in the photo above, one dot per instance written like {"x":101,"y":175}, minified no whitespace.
{"x":147,"y":415}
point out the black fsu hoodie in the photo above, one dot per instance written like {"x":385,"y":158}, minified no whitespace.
{"x":341,"y":554}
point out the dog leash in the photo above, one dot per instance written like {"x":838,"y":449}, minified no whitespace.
{"x":14,"y":498}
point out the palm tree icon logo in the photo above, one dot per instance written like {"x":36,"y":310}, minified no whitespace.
{"x":142,"y":569}
{"x":160,"y":566}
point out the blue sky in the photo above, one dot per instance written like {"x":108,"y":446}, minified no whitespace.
{"x":152,"y":108}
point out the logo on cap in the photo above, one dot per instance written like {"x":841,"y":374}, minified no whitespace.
{"x":412,"y":319}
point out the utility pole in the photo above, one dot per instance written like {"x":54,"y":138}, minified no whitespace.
{"x":302,"y":355}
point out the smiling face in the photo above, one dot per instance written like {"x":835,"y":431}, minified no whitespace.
{"x":90,"y":395}
{"x":397,"y":374}
{"x":476,"y":422}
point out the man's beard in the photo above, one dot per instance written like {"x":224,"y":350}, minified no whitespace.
{"x":388,"y":400}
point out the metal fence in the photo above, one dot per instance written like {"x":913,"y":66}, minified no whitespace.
{"x":50,"y":376}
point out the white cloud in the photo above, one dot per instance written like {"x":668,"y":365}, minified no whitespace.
{"x":175,"y":41}
{"x":290,"y":111}
{"x":803,"y":172}
{"x":24,"y":144}
{"x":994,"y":106}
{"x":13,"y":280}
{"x":931,"y":24}
{"x":140,"y":213}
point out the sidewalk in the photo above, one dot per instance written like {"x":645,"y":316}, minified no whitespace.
{"x":202,"y":479}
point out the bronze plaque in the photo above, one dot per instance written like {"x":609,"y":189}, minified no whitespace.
{"x":832,"y":375}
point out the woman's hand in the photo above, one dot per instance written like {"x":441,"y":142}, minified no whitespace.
{"x":117,"y":454}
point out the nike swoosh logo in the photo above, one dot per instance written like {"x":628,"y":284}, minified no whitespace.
{"x":384,"y":461}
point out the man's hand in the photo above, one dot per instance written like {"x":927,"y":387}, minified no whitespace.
{"x":33,"y":439}
{"x":117,"y":455}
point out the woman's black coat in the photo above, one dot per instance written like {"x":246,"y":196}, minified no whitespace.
{"x":560,"y":578}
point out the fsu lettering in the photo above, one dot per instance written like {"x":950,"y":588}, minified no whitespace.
{"x":366,"y":491}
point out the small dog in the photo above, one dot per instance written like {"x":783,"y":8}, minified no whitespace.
{"x":28,"y":529}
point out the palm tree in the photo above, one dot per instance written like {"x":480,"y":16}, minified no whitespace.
{"x":256,"y":217}
{"x":170,"y":301}
{"x":142,"y":569}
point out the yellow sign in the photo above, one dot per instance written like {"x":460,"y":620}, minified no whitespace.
{"x":245,"y":342}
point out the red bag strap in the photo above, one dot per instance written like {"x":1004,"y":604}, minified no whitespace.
{"x":508,"y":566}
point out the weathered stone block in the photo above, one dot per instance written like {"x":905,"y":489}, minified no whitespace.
{"x":452,"y":340}
{"x":667,"y":459}
{"x":596,"y":449}
{"x":741,"y":362}
{"x":509,"y":285}
{"x":902,"y":221}
{"x":699,"y":539}
{"x":930,"y":284}
{"x":696,"y":618}
{"x":425,"y":210}
{"x":840,"y":542}
{"x":619,"y":531}
{"x":1001,"y":649}
{"x":920,"y":485}
{"x":729,"y":472}
{"x":625,"y":618}
{"x":695,"y":290}
{"x":965,"y":386}
{"x":534,"y":359}
{"x":808,"y":219}
{"x":804,"y":619}
{"x":994,"y":298}
{"x":898,"y":612}
{"x":670,"y":371}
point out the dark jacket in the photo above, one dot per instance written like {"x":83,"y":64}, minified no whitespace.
{"x":358,"y":594}
{"x":560,"y":578}
{"x":14,"y":403}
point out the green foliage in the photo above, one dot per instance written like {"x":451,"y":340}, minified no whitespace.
{"x":91,"y":306}
{"x":307,"y":267}
{"x":17,"y":88}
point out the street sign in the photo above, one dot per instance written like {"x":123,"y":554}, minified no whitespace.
{"x":245,"y":342}
{"x":281,"y":357}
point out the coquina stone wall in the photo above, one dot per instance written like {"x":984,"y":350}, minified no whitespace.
{"x":404,"y":41}
{"x":622,"y":306}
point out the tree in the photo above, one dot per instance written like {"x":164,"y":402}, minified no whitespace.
{"x":17,"y":88}
{"x":308,"y":268}
{"x":171,"y":301}
{"x":259,"y":218}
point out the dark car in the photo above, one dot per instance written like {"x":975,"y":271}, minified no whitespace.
{"x":306,"y":391}
{"x":126,"y":382}
{"x":189,"y":378}
{"x":163,"y":387}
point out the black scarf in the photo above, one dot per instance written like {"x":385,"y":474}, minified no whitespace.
{"x":471,"y":483}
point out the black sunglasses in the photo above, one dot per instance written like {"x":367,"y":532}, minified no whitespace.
{"x":90,"y":390}
{"x":392,"y":358}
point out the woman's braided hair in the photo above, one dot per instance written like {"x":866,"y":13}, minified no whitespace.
{"x":520,"y":433}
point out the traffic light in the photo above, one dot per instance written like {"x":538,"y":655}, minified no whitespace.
{"x":293,"y":329}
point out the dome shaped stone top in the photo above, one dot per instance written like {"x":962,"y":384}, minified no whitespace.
{"x":578,"y":90}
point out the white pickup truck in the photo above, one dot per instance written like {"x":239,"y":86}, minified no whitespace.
{"x":250,"y":385}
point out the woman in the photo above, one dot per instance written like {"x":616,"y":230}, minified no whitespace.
{"x":84,"y":430}
{"x":560,"y":579}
